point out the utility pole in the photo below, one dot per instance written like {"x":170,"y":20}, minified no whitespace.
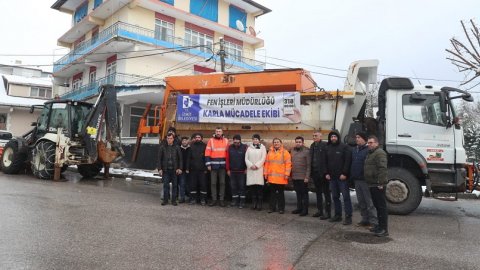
{"x":222,"y":55}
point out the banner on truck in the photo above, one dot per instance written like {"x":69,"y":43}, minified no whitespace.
{"x":263,"y":108}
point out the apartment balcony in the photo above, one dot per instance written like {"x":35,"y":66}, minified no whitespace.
{"x":118,"y":79}
{"x":121,"y":31}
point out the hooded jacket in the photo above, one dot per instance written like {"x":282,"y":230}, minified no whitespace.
{"x":339,"y":157}
{"x":278,"y":166}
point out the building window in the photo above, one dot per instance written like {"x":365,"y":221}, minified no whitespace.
{"x":3,"y":121}
{"x":94,"y":35}
{"x":207,"y":9}
{"x":234,"y":51}
{"x":164,"y":30}
{"x":237,"y":18}
{"x":77,"y":81}
{"x":170,"y":2}
{"x":97,"y":3}
{"x":76,"y":84}
{"x":194,"y":38}
{"x":92,"y":77}
{"x":81,"y":12}
{"x":135,"y":116}
{"x":424,"y":109}
{"x":40,"y":92}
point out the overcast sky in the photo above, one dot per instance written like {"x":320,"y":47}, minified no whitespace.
{"x":408,"y":37}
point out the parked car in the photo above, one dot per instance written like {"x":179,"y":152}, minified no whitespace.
{"x":5,"y":136}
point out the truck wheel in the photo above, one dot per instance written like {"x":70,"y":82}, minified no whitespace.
{"x":43,"y":160}
{"x":90,"y":170}
{"x":12,"y":160}
{"x":403,"y":192}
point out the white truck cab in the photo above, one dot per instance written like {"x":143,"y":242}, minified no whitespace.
{"x":421,"y":134}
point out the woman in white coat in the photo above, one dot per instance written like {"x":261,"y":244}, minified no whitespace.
{"x":255,"y":158}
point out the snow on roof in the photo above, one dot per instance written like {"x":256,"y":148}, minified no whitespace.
{"x":17,"y":101}
{"x":15,"y":79}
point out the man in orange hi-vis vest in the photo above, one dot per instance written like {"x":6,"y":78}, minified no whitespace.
{"x":277,"y":168}
{"x":215,"y":157}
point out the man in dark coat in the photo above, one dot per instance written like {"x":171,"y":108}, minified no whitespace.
{"x":169,"y":166}
{"x":339,"y":159}
{"x":197,"y":170}
{"x":318,"y":153}
{"x":375,"y":171}
{"x":236,"y":170}
{"x":183,"y":178}
{"x":359,"y":153}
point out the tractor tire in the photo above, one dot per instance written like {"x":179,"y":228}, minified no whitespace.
{"x":12,"y":161}
{"x":43,"y":160}
{"x":403,"y":193}
{"x":90,"y":170}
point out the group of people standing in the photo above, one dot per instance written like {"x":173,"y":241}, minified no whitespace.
{"x":330,"y":165}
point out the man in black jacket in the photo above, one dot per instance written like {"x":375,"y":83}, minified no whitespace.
{"x":359,"y":153}
{"x":318,"y":153}
{"x":169,"y":166}
{"x":236,"y":170}
{"x":183,"y":178}
{"x":339,"y":158}
{"x":197,"y":170}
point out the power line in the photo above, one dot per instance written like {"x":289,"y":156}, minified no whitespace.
{"x":123,"y":58}
{"x":345,"y":70}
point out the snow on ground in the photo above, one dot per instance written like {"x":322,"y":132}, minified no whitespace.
{"x":129,"y":173}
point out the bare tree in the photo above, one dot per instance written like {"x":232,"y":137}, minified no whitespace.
{"x":465,"y":56}
{"x":372,"y":99}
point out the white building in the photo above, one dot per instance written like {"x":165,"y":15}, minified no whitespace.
{"x":135,"y":44}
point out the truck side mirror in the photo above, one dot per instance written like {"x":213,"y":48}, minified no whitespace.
{"x":32,"y":108}
{"x":443,"y":101}
{"x":467,"y":97}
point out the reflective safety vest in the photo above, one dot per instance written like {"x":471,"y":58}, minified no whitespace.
{"x":216,"y":153}
{"x":278,"y":166}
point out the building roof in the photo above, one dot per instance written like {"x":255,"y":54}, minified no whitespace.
{"x":15,"y":79}
{"x":264,"y":9}
{"x":6,"y":100}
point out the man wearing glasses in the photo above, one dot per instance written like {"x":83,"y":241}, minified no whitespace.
{"x":376,"y":176}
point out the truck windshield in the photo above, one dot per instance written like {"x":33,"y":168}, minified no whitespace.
{"x":425,"y":110}
{"x":79,"y":116}
{"x":58,"y":117}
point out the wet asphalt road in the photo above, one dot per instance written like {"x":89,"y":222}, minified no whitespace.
{"x":116,"y":224}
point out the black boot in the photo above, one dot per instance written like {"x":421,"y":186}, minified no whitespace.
{"x":254,"y":204}
{"x":242,"y":203}
{"x":234,"y":202}
{"x":348,"y":220}
{"x":259,"y":204}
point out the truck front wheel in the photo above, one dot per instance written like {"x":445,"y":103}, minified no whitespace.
{"x":43,"y":160}
{"x":403,"y":192}
{"x":12,"y":160}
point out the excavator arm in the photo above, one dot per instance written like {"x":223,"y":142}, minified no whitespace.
{"x":102,"y":130}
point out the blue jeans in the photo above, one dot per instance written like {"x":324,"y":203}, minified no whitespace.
{"x":169,"y":176}
{"x":182,"y":185}
{"x":337,"y":186}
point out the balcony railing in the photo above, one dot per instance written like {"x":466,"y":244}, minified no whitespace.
{"x":147,"y":36}
{"x":91,"y":89}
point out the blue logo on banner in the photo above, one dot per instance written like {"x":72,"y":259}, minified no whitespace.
{"x":188,"y":108}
